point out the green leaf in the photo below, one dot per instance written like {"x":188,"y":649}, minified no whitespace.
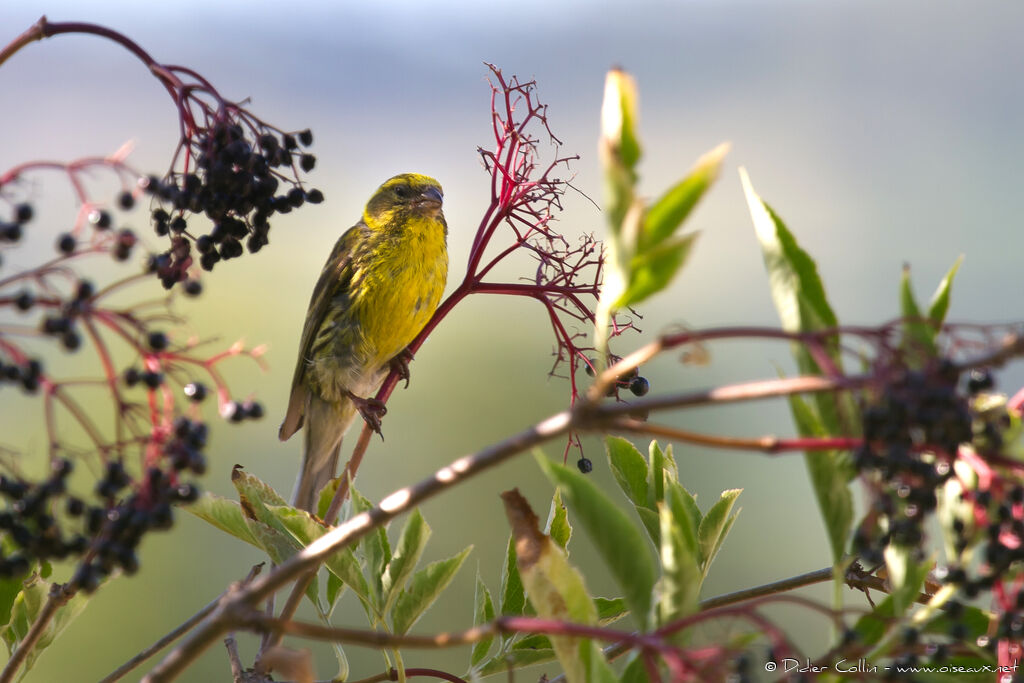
{"x":558,"y":527}
{"x":801,"y":303}
{"x":663,"y":468}
{"x":255,"y":488}
{"x":629,"y":467}
{"x":649,"y":518}
{"x":25,"y":609}
{"x":635,"y":671}
{"x":533,"y":641}
{"x":595,"y":664}
{"x":906,"y":576}
{"x":516,"y":659}
{"x":610,"y":609}
{"x":653,"y":268}
{"x":343,"y":565}
{"x":9,"y":589}
{"x":280,"y":546}
{"x":374,"y":545}
{"x":254,"y":495}
{"x":679,"y":586}
{"x":715,"y":525}
{"x":299,"y":523}
{"x":829,"y":476}
{"x":620,"y":544}
{"x":326,"y":496}
{"x":224,"y":514}
{"x":483,"y":613}
{"x":619,"y":145}
{"x":513,"y":596}
{"x":797,"y":289}
{"x":407,"y":554}
{"x":554,"y":587}
{"x":975,"y":620}
{"x":672,"y":208}
{"x":423,"y":589}
{"x":335,"y":589}
{"x":919,"y":332}
{"x":939,"y":305}
{"x":687,"y":517}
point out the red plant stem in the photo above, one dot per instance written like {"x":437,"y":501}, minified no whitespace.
{"x":79,"y":415}
{"x":392,"y":675}
{"x":109,"y":371}
{"x":766,"y":444}
{"x":44,"y":29}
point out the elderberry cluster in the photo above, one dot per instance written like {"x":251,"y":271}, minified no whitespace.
{"x":243,"y":176}
{"x":116,"y":527}
{"x":43,"y":521}
{"x":637,"y":385}
{"x":62,"y":324}
{"x":11,"y":230}
{"x":27,"y":375}
{"x":999,"y":516}
{"x":102,"y":221}
{"x":911,"y":435}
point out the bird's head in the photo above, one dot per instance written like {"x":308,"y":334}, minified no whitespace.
{"x":404,"y":195}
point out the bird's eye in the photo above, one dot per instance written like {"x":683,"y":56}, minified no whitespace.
{"x":402,"y":192}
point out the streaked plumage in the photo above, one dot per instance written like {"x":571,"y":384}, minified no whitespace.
{"x":379,"y":287}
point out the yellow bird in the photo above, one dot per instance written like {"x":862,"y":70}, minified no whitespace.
{"x":380,"y":286}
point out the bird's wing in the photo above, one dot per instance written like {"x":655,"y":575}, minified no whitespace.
{"x":336,"y":274}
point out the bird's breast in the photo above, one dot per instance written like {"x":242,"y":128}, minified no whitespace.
{"x":400,"y":288}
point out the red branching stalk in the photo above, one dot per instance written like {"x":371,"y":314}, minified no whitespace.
{"x":525,"y":198}
{"x":139,"y":368}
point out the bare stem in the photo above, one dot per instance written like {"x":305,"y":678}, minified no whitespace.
{"x":767,"y":444}
{"x":233,"y":658}
{"x":346,"y":534}
{"x":170,"y":637}
{"x":291,"y":605}
{"x":586,"y":416}
{"x":58,"y":597}
{"x":44,"y":29}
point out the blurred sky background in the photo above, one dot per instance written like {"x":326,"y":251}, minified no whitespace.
{"x":883,"y":133}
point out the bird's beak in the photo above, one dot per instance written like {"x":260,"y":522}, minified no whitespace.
{"x":431,"y":196}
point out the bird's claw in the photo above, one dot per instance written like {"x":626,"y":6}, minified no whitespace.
{"x":371,"y":410}
{"x":400,"y":365}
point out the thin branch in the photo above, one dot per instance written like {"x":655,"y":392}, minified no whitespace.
{"x":291,"y":605}
{"x":781,"y":586}
{"x":347,"y":533}
{"x":173,"y":635}
{"x":233,"y":658}
{"x":729,"y":393}
{"x":392,"y":675}
{"x":767,"y":444}
{"x":58,"y":597}
{"x":586,"y":416}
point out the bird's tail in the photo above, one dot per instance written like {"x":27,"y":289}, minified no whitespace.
{"x":326,"y":424}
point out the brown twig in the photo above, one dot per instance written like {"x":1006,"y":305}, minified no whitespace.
{"x":766,"y":444}
{"x":291,"y":605}
{"x":586,"y":416}
{"x":173,"y":635}
{"x":233,"y":658}
{"x":347,"y":533}
{"x":58,"y":597}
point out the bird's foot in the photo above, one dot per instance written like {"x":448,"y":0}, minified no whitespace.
{"x":370,"y":409}
{"x":400,"y":364}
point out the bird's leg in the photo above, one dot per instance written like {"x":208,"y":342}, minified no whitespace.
{"x":371,"y":410}
{"x":400,"y":364}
